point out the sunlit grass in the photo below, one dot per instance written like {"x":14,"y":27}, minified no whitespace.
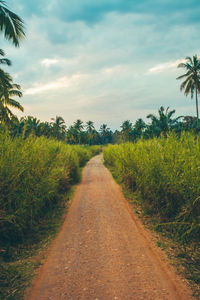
{"x":36,"y":176}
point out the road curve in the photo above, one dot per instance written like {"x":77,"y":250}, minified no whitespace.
{"x":103,"y":252}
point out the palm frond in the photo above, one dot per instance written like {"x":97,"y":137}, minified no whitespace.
{"x":2,"y":53}
{"x":5,"y":61}
{"x":11,"y":25}
{"x":190,"y":59}
{"x":189,"y":88}
{"x":15,"y":104}
{"x":181,"y":65}
{"x":184,"y":75}
{"x":15,"y":93}
{"x":16,"y":86}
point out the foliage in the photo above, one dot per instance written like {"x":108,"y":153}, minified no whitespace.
{"x":11,"y":25}
{"x":8,"y":90}
{"x":167,"y":174}
{"x":191,"y":82}
{"x":34,"y":173}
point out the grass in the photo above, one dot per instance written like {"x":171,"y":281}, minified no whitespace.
{"x":17,"y":272}
{"x":185,"y":258}
{"x":36,"y":177}
{"x":161,"y":179}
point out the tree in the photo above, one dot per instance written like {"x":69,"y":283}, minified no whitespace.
{"x":191,"y":84}
{"x":138,"y":129}
{"x":58,"y":128}
{"x":91,"y":132}
{"x":127,"y":127}
{"x":31,"y":125}
{"x":78,"y":125}
{"x":162,"y":123}
{"x":106,"y":134}
{"x":90,"y":126}
{"x":5,"y":78}
{"x":6,"y":92}
{"x":11,"y":25}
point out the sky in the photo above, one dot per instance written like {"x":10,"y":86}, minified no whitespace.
{"x":107,"y":61}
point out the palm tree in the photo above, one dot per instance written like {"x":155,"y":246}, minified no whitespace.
{"x":90,"y":126}
{"x":191,"y":84}
{"x":58,"y":127}
{"x":105,"y":133}
{"x":11,"y":25}
{"x":138,"y":129}
{"x":5,"y":78}
{"x":29,"y":125}
{"x":78,"y":125}
{"x":6,"y":92}
{"x":72,"y":135}
{"x":127,"y":127}
{"x":91,"y":132}
{"x":162,"y":123}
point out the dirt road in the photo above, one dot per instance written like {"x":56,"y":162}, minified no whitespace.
{"x":103,"y":252}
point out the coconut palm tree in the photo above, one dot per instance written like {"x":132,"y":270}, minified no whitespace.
{"x":162,"y":123}
{"x":127,"y":127}
{"x":5,"y":78}
{"x":58,"y":127}
{"x":6,"y":101}
{"x":31,"y":125}
{"x":90,"y":132}
{"x":90,"y":126}
{"x":105,"y":134}
{"x":11,"y":25}
{"x":191,"y":84}
{"x":138,"y":129}
{"x":78,"y":125}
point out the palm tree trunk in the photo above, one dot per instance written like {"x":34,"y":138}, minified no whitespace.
{"x":197,"y":109}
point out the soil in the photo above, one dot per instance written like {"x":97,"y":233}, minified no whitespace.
{"x":103,"y":251}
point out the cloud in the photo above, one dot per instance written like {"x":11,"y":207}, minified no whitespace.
{"x":47,"y":62}
{"x":88,"y":59}
{"x":91,"y":12}
{"x":60,"y":83}
{"x":165,"y":66}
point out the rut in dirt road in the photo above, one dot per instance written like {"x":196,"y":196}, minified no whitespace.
{"x":103,"y":252}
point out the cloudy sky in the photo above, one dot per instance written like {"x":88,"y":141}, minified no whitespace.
{"x":103,"y":60}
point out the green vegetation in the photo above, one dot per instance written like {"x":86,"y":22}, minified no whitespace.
{"x":191,"y":84}
{"x":11,"y":25}
{"x":167,"y":174}
{"x":163,"y":176}
{"x":35,"y":175}
{"x":40,"y":161}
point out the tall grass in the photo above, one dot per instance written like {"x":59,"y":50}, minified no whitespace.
{"x":34,"y":173}
{"x":35,"y":176}
{"x":166,"y":171}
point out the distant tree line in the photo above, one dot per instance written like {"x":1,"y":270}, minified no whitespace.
{"x":80,"y":133}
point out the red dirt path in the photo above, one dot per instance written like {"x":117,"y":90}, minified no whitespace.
{"x":103,"y":252}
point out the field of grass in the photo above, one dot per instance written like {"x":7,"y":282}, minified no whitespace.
{"x":164,"y":173}
{"x":36,"y":175}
